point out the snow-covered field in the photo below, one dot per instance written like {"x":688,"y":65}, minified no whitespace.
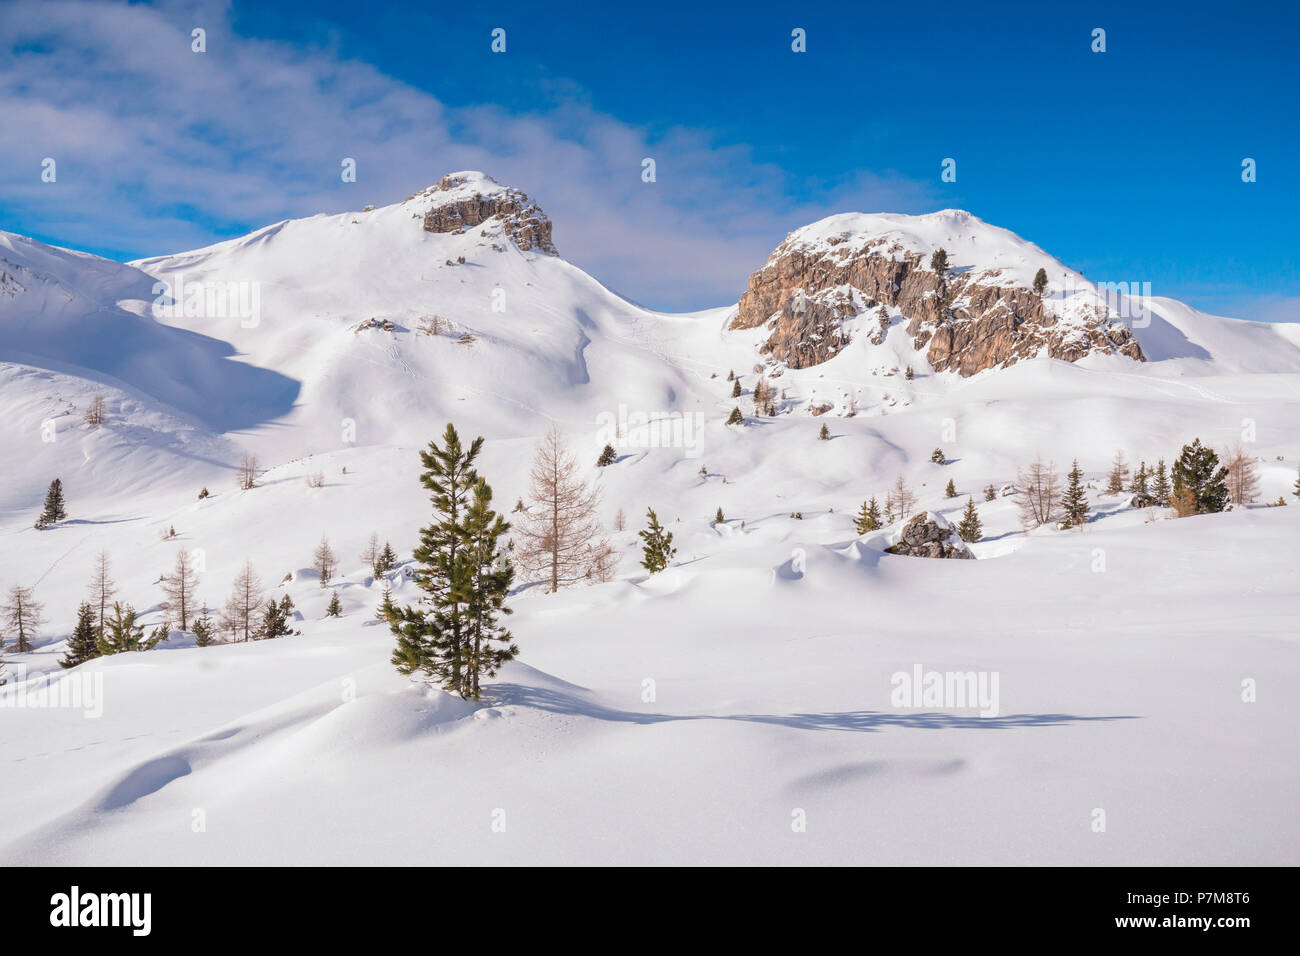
{"x":736,"y":708}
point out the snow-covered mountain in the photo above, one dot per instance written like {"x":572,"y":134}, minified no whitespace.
{"x":339,"y":345}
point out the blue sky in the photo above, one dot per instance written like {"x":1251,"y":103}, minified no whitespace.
{"x":1125,"y":164}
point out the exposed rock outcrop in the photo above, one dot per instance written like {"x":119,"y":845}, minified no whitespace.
{"x":10,"y":287}
{"x":972,"y":319}
{"x":929,"y":535}
{"x":464,"y":200}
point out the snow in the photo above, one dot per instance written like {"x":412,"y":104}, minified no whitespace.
{"x":769,"y":643}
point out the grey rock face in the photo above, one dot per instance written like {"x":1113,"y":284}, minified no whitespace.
{"x":928,"y":535}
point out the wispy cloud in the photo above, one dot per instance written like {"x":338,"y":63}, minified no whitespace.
{"x":160,"y":149}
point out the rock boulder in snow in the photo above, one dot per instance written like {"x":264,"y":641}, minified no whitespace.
{"x":928,"y":535}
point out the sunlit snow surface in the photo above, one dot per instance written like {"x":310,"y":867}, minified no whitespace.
{"x":684,"y":718}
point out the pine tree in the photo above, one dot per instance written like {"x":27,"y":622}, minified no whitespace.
{"x":84,"y":643}
{"x":825,"y":432}
{"x":324,"y":561}
{"x":909,"y":374}
{"x":54,"y":506}
{"x":335,"y":608}
{"x":21,"y":616}
{"x":387,"y":559}
{"x":1295,"y":489}
{"x":433,"y":637}
{"x":560,"y":538}
{"x":764,"y":396}
{"x":204,"y":493}
{"x":719,"y":518}
{"x":990,"y":493}
{"x":607,"y":457}
{"x":1118,"y":474}
{"x":1040,"y":282}
{"x":735,"y":418}
{"x":1199,"y":480}
{"x":1075,"y":500}
{"x":868,"y":517}
{"x":385,"y":608}
{"x":658,"y":549}
{"x":275,"y":619}
{"x":203,"y":629}
{"x":939,"y":263}
{"x":951,"y":490}
{"x":121,"y":632}
{"x":937,"y":456}
{"x":490,"y":644}
{"x":1160,"y":488}
{"x":970,"y":528}
{"x":735,"y":389}
{"x":156,"y":637}
{"x":179,"y":588}
{"x":1139,"y":486}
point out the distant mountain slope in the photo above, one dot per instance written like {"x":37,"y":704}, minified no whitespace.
{"x":79,"y":314}
{"x":1200,"y":342}
{"x":398,"y":317}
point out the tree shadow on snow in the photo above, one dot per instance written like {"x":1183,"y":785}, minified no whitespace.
{"x":858,"y":721}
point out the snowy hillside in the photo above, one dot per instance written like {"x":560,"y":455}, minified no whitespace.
{"x":334,"y":348}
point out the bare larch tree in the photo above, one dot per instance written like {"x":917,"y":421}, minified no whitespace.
{"x":20,"y":616}
{"x":95,"y":411}
{"x":179,"y":587}
{"x":242,"y":606}
{"x":904,"y":500}
{"x":560,"y":538}
{"x":370,"y":556}
{"x":324,"y":561}
{"x":102,"y":589}
{"x":1243,"y":475}
{"x":247,"y":472}
{"x":1039,"y":488}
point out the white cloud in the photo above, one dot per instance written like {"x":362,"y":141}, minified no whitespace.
{"x":160,"y":149}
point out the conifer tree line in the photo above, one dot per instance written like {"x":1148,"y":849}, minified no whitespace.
{"x":1196,"y":483}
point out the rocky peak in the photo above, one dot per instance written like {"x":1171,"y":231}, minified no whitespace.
{"x":982,"y":313}
{"x":466,"y":200}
